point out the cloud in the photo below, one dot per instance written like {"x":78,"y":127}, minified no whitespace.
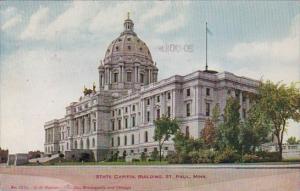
{"x":12,"y":22}
{"x":278,"y":59}
{"x":171,"y":25}
{"x":159,"y":8}
{"x":37,"y":23}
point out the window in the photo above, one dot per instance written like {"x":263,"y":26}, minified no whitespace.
{"x":126,"y":123}
{"x":244,"y":98}
{"x":145,"y":150}
{"x":146,"y":136}
{"x":119,"y":124}
{"x":75,"y":144}
{"x":244,"y":113}
{"x":94,"y":125}
{"x":166,"y":148}
{"x":148,"y":101}
{"x":132,"y":139}
{"x":126,"y":109}
{"x":188,"y":92}
{"x":207,"y":92}
{"x":133,"y":107}
{"x":118,"y":141}
{"x":148,"y":116}
{"x":133,"y":121}
{"x":87,"y":143}
{"x":113,"y":125}
{"x":187,"y":131}
{"x":81,"y":144}
{"x":117,"y":48}
{"x":112,"y":141}
{"x":128,"y":39}
{"x":113,"y":113}
{"x":207,"y":109}
{"x":141,"y":78}
{"x":128,"y":76}
{"x":119,"y":112}
{"x":115,"y":77}
{"x":188,"y":110}
{"x":157,"y":113}
{"x":158,"y":99}
{"x":93,"y":143}
{"x":125,"y":140}
{"x":129,"y":47}
{"x":169,"y":95}
{"x":169,"y":111}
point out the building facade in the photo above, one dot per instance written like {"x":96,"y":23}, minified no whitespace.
{"x":119,"y":115}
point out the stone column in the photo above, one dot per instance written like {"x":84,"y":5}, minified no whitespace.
{"x":241,"y":105}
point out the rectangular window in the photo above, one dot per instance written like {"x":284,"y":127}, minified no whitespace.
{"x":133,"y":121}
{"x":244,"y":113}
{"x":148,"y":116}
{"x":148,"y":101}
{"x":119,"y":124}
{"x":113,"y":125}
{"x":142,"y":78}
{"x":169,"y":95}
{"x":128,"y":76}
{"x":125,"y":140}
{"x":157,"y":113}
{"x":113,"y":113}
{"x":126,"y":123}
{"x":112,"y":141}
{"x":158,"y":99}
{"x":169,"y":111}
{"x":126,"y":109}
{"x":132,"y":139}
{"x":207,"y":92}
{"x":118,"y":141}
{"x":94,"y":125}
{"x":188,"y":110}
{"x":119,"y":112}
{"x":133,"y":107}
{"x":207,"y":109}
{"x":188,"y":92}
{"x":115,"y":77}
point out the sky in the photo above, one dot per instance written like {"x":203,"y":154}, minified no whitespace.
{"x":50,"y":49}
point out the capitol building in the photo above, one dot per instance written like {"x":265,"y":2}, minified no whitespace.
{"x":118,"y":116}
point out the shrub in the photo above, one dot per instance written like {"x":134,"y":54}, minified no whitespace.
{"x":173,"y":158}
{"x":61,"y":155}
{"x":135,"y":160}
{"x":227,"y":156}
{"x":154,"y":155}
{"x":251,"y":158}
{"x":269,"y":156}
{"x":143,"y":156}
{"x":85,"y":157}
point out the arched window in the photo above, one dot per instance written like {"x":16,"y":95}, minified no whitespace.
{"x":81,"y":144}
{"x":87,"y":143}
{"x":93,"y":142}
{"x":146,"y":136}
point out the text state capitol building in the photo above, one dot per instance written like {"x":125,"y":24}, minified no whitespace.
{"x":118,"y":117}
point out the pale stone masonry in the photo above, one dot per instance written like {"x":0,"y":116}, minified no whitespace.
{"x":119,"y":116}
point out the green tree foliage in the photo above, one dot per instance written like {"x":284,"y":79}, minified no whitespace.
{"x":164,"y":128}
{"x":293,"y":141}
{"x":255,"y":130}
{"x":229,"y":130}
{"x":279,"y":103}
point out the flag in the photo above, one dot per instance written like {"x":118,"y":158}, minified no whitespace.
{"x":208,"y":31}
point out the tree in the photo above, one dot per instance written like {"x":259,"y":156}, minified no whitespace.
{"x":229,"y":130}
{"x":292,"y":141}
{"x":209,"y":133}
{"x":164,"y":128}
{"x":279,"y":103}
{"x":255,"y":130}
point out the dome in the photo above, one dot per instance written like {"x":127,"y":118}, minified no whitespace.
{"x":128,"y":46}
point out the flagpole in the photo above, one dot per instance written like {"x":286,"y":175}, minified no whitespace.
{"x":206,"y":67}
